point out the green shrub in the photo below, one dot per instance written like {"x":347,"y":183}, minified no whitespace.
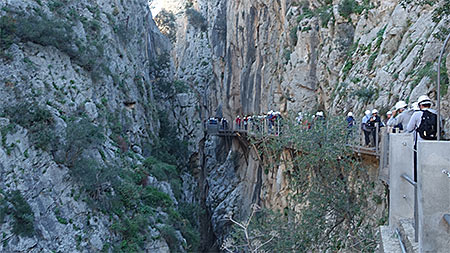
{"x":347,"y":67}
{"x":169,"y":147}
{"x":364,"y":93}
{"x":169,"y":235}
{"x":37,"y":119}
{"x":3,"y":208}
{"x":80,"y":135}
{"x":132,"y":230}
{"x":328,"y":205}
{"x":22,"y":214}
{"x":347,"y":7}
{"x":196,"y":19}
{"x":156,"y":198}
{"x":371,"y":60}
{"x":161,"y":170}
{"x":57,"y":32}
{"x":7,"y":30}
{"x":166,"y":22}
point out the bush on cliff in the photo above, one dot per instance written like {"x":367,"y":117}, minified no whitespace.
{"x":328,"y":199}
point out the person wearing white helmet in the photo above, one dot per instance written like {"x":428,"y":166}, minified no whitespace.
{"x":299,"y":118}
{"x":365,"y":128}
{"x":401,"y":120}
{"x":388,"y":117}
{"x":372,"y":124}
{"x":350,"y":120}
{"x":429,"y":118}
{"x":424,"y":125}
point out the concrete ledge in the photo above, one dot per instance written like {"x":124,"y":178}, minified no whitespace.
{"x":401,"y":193}
{"x":433,"y":195}
{"x":389,"y":241}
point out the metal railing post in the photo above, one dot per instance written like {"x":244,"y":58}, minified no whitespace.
{"x":377,"y":128}
{"x":416,"y":215}
{"x":439,"y":89}
{"x":416,"y":206}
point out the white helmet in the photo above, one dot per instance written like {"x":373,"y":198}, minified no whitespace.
{"x":400,"y":104}
{"x":424,"y":99}
{"x":389,"y":113}
{"x":367,"y":112}
{"x":374,"y":111}
{"x":415,"y":106}
{"x":319,"y":113}
{"x":350,"y":114}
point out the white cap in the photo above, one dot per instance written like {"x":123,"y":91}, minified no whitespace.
{"x":400,"y":104}
{"x":389,"y":113}
{"x":374,"y":111}
{"x":415,"y":106}
{"x":367,"y":112}
{"x":424,"y":99}
{"x":350,"y":114}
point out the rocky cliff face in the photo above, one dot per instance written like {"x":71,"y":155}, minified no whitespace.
{"x":337,"y":56}
{"x":302,"y":55}
{"x":79,"y":119}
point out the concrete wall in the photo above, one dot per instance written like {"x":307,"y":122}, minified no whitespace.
{"x":433,"y":196}
{"x":401,"y":193}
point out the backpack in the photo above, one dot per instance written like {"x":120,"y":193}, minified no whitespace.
{"x":428,"y":126}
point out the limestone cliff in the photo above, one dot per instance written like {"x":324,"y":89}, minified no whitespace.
{"x":79,"y":120}
{"x":252,"y":56}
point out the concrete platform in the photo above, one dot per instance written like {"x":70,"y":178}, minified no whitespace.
{"x":389,"y":241}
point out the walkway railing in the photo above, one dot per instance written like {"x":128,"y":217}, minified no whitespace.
{"x":266,"y":127}
{"x":416,"y":212}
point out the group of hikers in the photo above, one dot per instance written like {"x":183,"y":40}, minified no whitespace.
{"x":258,"y":123}
{"x":418,"y":118}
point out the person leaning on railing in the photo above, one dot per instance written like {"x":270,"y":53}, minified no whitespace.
{"x":400,"y":116}
{"x":372,"y":124}
{"x":365,"y":128}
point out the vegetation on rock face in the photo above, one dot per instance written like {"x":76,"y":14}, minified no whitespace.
{"x":348,"y":7}
{"x":329,"y":193}
{"x":37,"y":119}
{"x":196,"y":19}
{"x":442,"y":10}
{"x":58,"y":31}
{"x":16,"y":206}
{"x":165,"y":20}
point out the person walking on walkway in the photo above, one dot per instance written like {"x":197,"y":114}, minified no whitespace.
{"x":350,"y":120}
{"x":403,"y":116}
{"x":365,"y":128}
{"x":373,"y":122}
{"x":238,"y":122}
{"x":388,"y":117}
{"x":423,"y":125}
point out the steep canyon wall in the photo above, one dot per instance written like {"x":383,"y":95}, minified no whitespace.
{"x":252,"y":56}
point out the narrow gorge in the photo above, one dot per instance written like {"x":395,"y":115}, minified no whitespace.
{"x":104,"y":120}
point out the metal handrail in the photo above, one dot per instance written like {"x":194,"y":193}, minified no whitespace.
{"x":400,"y":241}
{"x":409,"y":179}
{"x":416,"y":212}
{"x":447,"y":218}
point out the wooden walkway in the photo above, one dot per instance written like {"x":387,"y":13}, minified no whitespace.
{"x":358,"y":149}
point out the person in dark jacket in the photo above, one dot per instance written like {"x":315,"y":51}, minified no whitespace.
{"x":372,"y":123}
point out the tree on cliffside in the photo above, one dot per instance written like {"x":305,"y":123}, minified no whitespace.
{"x":329,"y":194}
